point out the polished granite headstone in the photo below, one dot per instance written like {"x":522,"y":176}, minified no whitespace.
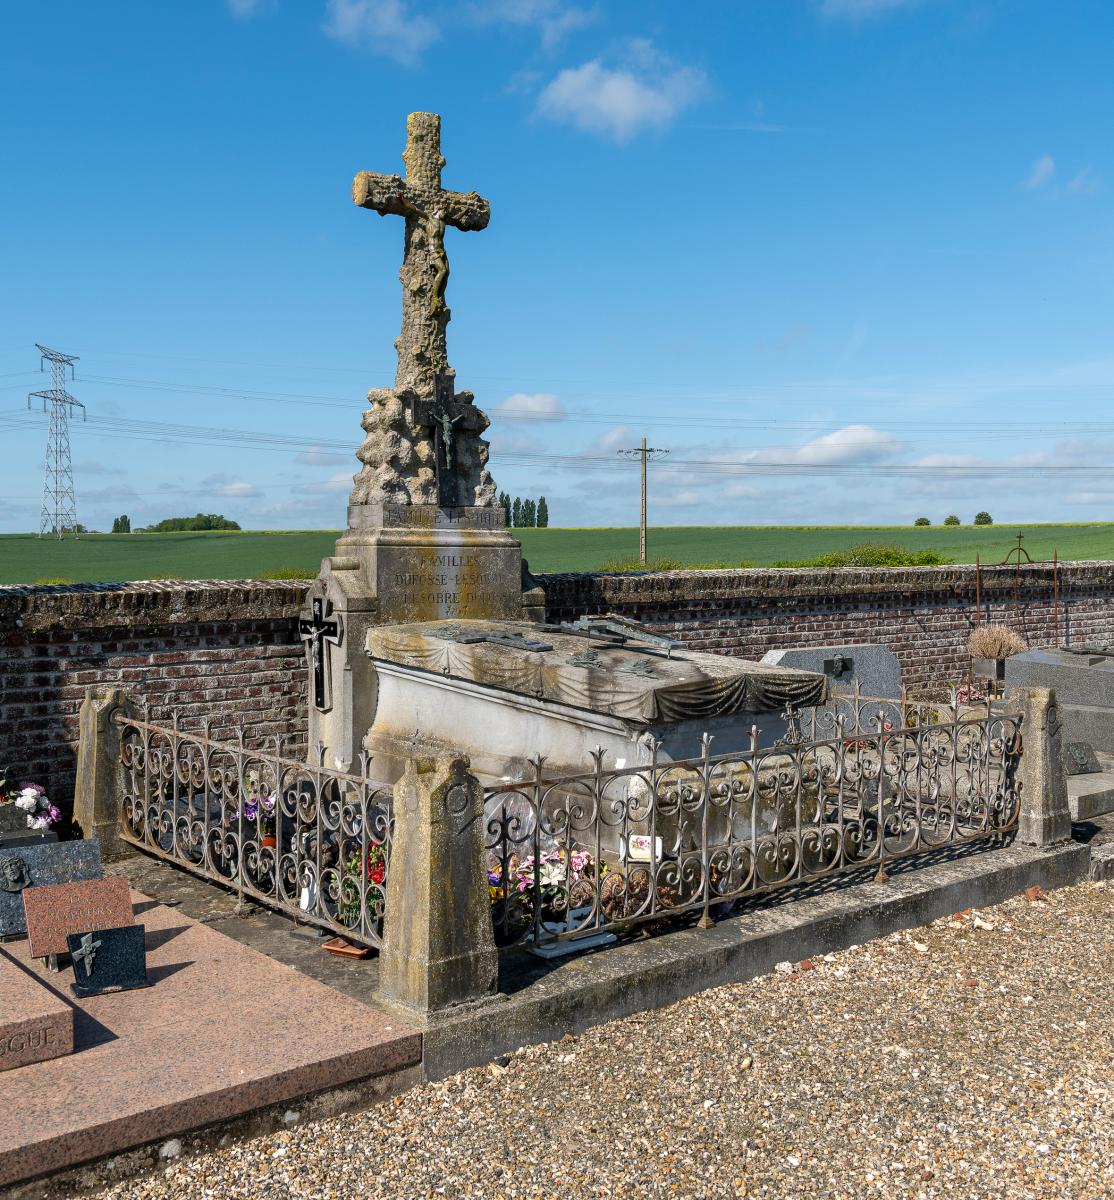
{"x":29,"y":837}
{"x":23,"y":867}
{"x":53,"y":913}
{"x":108,"y":960}
{"x":13,"y":820}
{"x":14,"y":830}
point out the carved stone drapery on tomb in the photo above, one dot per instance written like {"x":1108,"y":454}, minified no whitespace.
{"x":423,"y":443}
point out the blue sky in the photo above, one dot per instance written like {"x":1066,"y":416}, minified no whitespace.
{"x":849,"y":260}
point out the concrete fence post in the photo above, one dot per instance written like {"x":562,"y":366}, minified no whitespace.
{"x":1045,"y":819}
{"x":439,"y":946}
{"x":99,"y":790}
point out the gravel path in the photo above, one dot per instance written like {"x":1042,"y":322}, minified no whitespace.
{"x":971,"y":1058}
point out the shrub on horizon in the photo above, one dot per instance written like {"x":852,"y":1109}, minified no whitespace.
{"x":288,"y":573}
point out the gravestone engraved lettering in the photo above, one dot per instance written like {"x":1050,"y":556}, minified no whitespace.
{"x":46,"y":864}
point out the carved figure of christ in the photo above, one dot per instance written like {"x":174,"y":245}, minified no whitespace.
{"x":428,"y":209}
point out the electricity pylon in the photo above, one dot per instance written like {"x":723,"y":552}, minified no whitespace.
{"x":59,"y":506}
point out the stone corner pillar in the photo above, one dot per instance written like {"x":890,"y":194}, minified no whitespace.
{"x":439,"y":944}
{"x":1044,"y":818}
{"x":99,"y":788}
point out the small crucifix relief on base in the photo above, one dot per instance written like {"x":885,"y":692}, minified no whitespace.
{"x":442,"y":415}
{"x":320,"y":629}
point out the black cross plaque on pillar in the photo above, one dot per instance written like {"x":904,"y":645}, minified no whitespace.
{"x":321,"y":628}
{"x":437,"y":414}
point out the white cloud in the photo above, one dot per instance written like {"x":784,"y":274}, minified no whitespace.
{"x":684,"y":499}
{"x":1084,"y":182}
{"x":1042,"y":172}
{"x":856,"y":10}
{"x":647,"y":91}
{"x":536,"y":406}
{"x":853,"y":443}
{"x":383,"y":26}
{"x":554,"y":19}
{"x":244,"y":10}
{"x":339,"y":482}
{"x":237,"y":489}
{"x":616,"y":438}
{"x":948,"y":460}
{"x":98,"y":468}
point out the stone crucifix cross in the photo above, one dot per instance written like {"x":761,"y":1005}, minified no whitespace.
{"x":428,"y":208}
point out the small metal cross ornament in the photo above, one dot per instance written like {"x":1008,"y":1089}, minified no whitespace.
{"x":87,"y":952}
{"x":322,"y":627}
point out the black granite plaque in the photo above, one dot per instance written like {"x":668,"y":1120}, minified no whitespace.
{"x":37,"y":865}
{"x":29,"y":837}
{"x":12,"y":819}
{"x":1080,"y":759}
{"x":108,"y":960}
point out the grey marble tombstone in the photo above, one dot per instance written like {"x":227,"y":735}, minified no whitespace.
{"x":35,"y":866}
{"x":1084,"y":685}
{"x":874,"y":668}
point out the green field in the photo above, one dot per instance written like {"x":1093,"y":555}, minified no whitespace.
{"x":115,"y":557}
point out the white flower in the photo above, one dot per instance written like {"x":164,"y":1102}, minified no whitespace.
{"x":28,"y":800}
{"x":38,"y":822}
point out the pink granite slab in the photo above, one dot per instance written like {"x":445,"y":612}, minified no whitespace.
{"x":35,"y":1023}
{"x":63,"y":908}
{"x":222,"y":1030}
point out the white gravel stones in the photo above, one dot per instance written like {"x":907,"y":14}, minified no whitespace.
{"x":981,"y":1067}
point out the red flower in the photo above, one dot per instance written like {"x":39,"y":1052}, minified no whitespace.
{"x":377,"y":871}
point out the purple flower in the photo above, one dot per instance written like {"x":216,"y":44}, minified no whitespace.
{"x":250,"y":810}
{"x":54,"y":814}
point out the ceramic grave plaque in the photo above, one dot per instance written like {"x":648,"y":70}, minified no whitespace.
{"x":53,"y":913}
{"x":41,"y":865}
{"x":1080,"y":759}
{"x":108,"y":960}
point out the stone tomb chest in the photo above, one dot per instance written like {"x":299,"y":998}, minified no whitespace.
{"x":1084,"y":684}
{"x":507,"y":691}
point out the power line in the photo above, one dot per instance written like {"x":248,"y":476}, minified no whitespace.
{"x":59,"y":505}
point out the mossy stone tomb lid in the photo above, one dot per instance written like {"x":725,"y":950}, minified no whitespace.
{"x":629,"y":679}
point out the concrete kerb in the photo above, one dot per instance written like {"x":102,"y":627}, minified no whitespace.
{"x":657,"y":971}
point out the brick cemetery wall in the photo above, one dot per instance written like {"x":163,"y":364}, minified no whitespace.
{"x":923,"y":614}
{"x":221,"y":649}
{"x":230,"y":650}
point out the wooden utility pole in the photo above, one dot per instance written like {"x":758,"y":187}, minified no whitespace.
{"x":645,"y":453}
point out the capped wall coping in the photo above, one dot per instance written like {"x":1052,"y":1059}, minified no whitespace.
{"x":147,"y":603}
{"x":161,"y":602}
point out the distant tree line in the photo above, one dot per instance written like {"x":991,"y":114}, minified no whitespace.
{"x":981,"y":518}
{"x":525,"y":514}
{"x":201,"y":521}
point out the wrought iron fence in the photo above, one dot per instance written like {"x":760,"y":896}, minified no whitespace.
{"x":299,"y":837}
{"x":854,"y":785}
